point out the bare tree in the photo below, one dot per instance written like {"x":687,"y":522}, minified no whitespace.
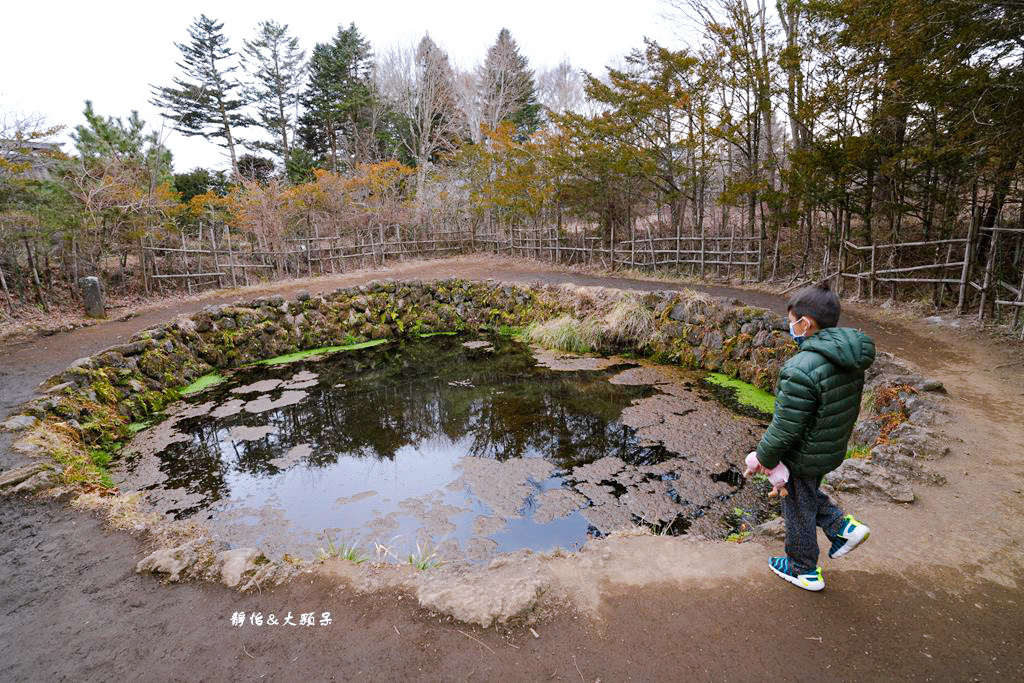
{"x":560,"y":89}
{"x":422,"y":87}
{"x":467,"y":93}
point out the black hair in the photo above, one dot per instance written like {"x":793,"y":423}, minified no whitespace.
{"x":818,"y":302}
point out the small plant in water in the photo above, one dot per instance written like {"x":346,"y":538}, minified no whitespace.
{"x":344,"y":551}
{"x":384,"y":551}
{"x":424,"y":557}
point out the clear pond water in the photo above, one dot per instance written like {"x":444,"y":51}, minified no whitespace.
{"x":472,"y":448}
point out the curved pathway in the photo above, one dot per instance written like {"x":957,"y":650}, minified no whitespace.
{"x":934,"y":595}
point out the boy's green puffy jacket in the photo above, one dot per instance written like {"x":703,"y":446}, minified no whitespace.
{"x":817,"y":402}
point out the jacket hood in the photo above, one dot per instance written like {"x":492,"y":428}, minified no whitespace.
{"x":844,"y":346}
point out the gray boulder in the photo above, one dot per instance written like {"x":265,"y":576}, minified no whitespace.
{"x":233,"y":564}
{"x":872,"y":480}
{"x":92,"y":295}
{"x":170,"y":561}
{"x":483,"y":598}
{"x":19,"y":475}
{"x":17,"y":423}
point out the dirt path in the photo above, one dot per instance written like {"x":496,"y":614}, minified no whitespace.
{"x":935,"y":594}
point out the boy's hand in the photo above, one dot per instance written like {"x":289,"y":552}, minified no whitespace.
{"x":754,"y":466}
{"x":777,"y":476}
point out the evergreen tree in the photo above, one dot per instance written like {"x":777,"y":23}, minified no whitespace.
{"x":256,"y":168}
{"x":278,"y":67}
{"x":337,"y":100}
{"x":111,"y":140}
{"x":507,"y":90}
{"x":199,"y":181}
{"x":204,"y":103}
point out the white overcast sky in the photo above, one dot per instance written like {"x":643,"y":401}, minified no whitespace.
{"x":56,"y":55}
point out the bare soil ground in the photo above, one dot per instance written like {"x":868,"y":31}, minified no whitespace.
{"x":935,"y":594}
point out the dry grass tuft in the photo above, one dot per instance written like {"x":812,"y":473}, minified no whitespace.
{"x":124,"y":513}
{"x":567,"y":334}
{"x":696,"y":302}
{"x":630,"y":322}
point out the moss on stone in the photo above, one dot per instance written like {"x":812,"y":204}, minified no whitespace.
{"x":746,"y":394}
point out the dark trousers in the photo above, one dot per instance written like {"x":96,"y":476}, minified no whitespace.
{"x":805,"y":509}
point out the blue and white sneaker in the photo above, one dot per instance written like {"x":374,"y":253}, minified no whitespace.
{"x":809,"y":581}
{"x":851,"y":534}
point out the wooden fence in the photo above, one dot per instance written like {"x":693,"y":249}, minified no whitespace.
{"x":951,"y":263}
{"x":953,"y":267}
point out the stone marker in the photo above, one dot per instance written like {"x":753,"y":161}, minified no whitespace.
{"x":92,"y":293}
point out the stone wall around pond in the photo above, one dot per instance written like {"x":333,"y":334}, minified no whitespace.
{"x":99,"y":401}
{"x":132,"y":381}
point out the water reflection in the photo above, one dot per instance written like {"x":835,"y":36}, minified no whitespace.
{"x":366,"y":407}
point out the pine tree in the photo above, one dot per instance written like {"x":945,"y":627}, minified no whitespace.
{"x":203,"y":103}
{"x":278,"y":68}
{"x":337,"y":99}
{"x":111,"y":140}
{"x":507,"y":89}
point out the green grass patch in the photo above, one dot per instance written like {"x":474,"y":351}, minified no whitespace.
{"x":136,"y":427}
{"x":861,"y":452}
{"x":446,"y":333}
{"x":424,"y":557}
{"x":746,"y":394}
{"x":344,"y":551}
{"x":302,"y":355}
{"x":203,"y":383}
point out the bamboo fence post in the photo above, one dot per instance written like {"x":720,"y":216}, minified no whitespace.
{"x":860,"y":276}
{"x":841,"y":259}
{"x":611,"y":242}
{"x":231,"y":257}
{"x":156,"y":268}
{"x":650,"y":248}
{"x":987,"y":281}
{"x":142,"y":265}
{"x":184,"y":257}
{"x":702,"y":242}
{"x":871,"y":280}
{"x":965,"y":273}
{"x":216,"y":260}
{"x":7,"y":292}
{"x":942,"y":287}
{"x":732,"y":248}
{"x":309,"y":252}
{"x":1016,"y":309}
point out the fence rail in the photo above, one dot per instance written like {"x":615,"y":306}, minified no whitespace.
{"x":969,"y":265}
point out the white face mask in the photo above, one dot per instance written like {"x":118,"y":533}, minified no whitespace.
{"x":798,"y":338}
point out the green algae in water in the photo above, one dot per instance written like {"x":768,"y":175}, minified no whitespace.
{"x":309,"y":353}
{"x":203,"y":383}
{"x":744,"y":394}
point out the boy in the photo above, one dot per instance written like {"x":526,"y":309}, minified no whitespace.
{"x":816,"y":405}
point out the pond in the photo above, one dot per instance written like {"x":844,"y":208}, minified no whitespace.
{"x":465,"y":448}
